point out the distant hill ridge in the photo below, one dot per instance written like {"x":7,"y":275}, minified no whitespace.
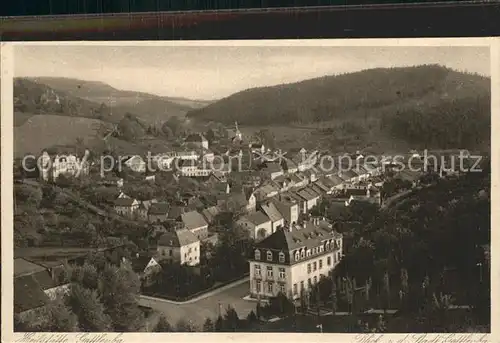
{"x":94,"y":99}
{"x":427,"y":105}
{"x":332,"y":97}
{"x":97,"y":91}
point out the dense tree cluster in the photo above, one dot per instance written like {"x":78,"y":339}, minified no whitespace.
{"x":101,"y":297}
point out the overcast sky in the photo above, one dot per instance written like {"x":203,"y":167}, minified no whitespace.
{"x":216,"y":72}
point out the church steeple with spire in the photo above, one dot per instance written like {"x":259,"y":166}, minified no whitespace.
{"x":237,"y":132}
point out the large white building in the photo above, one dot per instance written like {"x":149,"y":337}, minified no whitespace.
{"x":293,"y":259}
{"x":180,"y":246}
{"x":51,"y":168}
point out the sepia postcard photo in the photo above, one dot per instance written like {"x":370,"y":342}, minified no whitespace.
{"x":321,"y":186}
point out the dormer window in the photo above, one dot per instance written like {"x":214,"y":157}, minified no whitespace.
{"x":303,"y":253}
{"x":257,"y":254}
{"x":282,"y":257}
{"x":308,"y":253}
{"x":297,"y":256}
{"x":269,"y":256}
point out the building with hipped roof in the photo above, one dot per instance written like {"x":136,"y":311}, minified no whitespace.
{"x":293,"y":259}
{"x":196,"y":224}
{"x":258,"y":225}
{"x":158,"y":212}
{"x":34,"y":287}
{"x":180,"y":247}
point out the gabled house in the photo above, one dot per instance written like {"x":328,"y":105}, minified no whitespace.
{"x":310,"y":174}
{"x":196,"y":223}
{"x":309,"y":198}
{"x":126,"y":206}
{"x":250,"y":199}
{"x":142,"y":211}
{"x":284,"y":183}
{"x":180,"y":247}
{"x":158,"y":212}
{"x":302,"y":204}
{"x":266,"y":191}
{"x":298,"y":180}
{"x":288,"y":208}
{"x":349,"y":176}
{"x":272,"y":212}
{"x":330,"y":184}
{"x":135,"y":163}
{"x":319,"y":188}
{"x":175,"y":213}
{"x":145,"y":266}
{"x":258,"y":225}
{"x":272,"y":170}
{"x":210,"y":214}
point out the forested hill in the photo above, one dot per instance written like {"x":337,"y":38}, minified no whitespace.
{"x":35,"y":98}
{"x":413,"y":103}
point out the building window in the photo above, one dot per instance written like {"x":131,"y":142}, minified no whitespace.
{"x":315,"y":280}
{"x":295,"y":291}
{"x":302,"y":253}
{"x":328,"y":260}
{"x":320,"y":263}
{"x":257,"y":270}
{"x":338,"y":256}
{"x":282,"y":289}
{"x":301,"y":286}
{"x":297,"y":256}
{"x":269,"y":287}
{"x":257,"y":254}
{"x":258,"y":286}
{"x":170,"y":252}
{"x":321,"y":248}
{"x":309,"y":283}
{"x":315,"y":266}
{"x":269,"y":271}
{"x":308,"y":253}
{"x":334,"y":258}
{"x":282,"y":273}
{"x":308,"y":268}
{"x":282,"y":257}
{"x":269,"y":256}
